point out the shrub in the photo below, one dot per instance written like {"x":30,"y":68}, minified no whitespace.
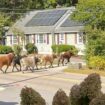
{"x":75,"y":96}
{"x":17,"y":49}
{"x":30,"y":97}
{"x":84,"y":93}
{"x":31,"y":48}
{"x":90,"y":88}
{"x":98,"y":100}
{"x":5,"y":49}
{"x":63,"y":48}
{"x":60,"y":98}
{"x":97,"y":62}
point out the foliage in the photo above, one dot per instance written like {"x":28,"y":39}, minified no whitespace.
{"x":95,"y":44}
{"x":63,"y":48}
{"x":90,"y":88}
{"x":17,"y":49}
{"x":30,"y":97}
{"x":75,"y":96}
{"x":100,"y":100}
{"x":3,"y":23}
{"x":50,"y":3}
{"x":31,"y":48}
{"x":74,"y":2}
{"x":64,"y":2}
{"x":5,"y":49}
{"x":18,"y":32}
{"x":60,"y":98}
{"x":97,"y":62}
{"x":84,"y":93}
{"x":91,"y":12}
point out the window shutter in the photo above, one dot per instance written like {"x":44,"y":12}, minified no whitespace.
{"x":47,"y":38}
{"x":75,"y":38}
{"x":57,"y":38}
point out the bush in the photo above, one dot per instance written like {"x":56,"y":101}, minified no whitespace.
{"x":84,"y":93}
{"x":98,"y":100}
{"x":17,"y":49}
{"x":31,"y":48}
{"x":75,"y":96}
{"x":5,"y":49}
{"x":31,"y":97}
{"x":97,"y":62}
{"x":63,"y":48}
{"x":60,"y":98}
{"x":90,"y":88}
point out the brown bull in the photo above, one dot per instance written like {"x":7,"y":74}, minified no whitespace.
{"x":6,"y":60}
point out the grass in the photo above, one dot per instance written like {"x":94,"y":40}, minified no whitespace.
{"x":85,"y":71}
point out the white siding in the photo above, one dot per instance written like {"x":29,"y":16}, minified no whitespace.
{"x":44,"y":48}
{"x":71,"y":39}
{"x":8,"y":41}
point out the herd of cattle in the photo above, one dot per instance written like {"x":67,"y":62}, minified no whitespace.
{"x":30,"y":62}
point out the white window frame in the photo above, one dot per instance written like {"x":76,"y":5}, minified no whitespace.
{"x":80,"y":38}
{"x":15,"y":39}
{"x":61,"y":38}
{"x":40,"y":39}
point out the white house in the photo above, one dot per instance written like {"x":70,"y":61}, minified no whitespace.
{"x":47,"y":27}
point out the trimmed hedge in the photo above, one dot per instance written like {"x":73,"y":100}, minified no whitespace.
{"x":84,"y":93}
{"x":60,"y":98}
{"x":31,"y":48}
{"x":5,"y":49}
{"x":31,"y":97}
{"x":100,"y":100}
{"x":90,"y":88}
{"x":75,"y":95}
{"x":63,"y":48}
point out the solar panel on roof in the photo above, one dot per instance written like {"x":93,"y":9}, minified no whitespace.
{"x":70,"y":23}
{"x":48,"y":18}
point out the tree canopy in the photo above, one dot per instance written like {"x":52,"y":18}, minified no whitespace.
{"x":91,"y":12}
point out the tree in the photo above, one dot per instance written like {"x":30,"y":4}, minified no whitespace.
{"x":50,"y":3}
{"x":20,"y":35}
{"x":91,"y":12}
{"x":64,"y":2}
{"x":17,"y":50}
{"x":74,"y":2}
{"x":3,"y":22}
{"x":96,"y":41}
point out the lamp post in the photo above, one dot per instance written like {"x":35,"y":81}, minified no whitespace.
{"x":5,"y":29}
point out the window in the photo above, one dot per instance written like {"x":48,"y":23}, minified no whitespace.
{"x":15,"y":40}
{"x":27,"y":38}
{"x":61,"y":39}
{"x":41,"y":39}
{"x":62,"y":36}
{"x":80,"y":38}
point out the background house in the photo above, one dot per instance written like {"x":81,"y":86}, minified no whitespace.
{"x":47,"y":27}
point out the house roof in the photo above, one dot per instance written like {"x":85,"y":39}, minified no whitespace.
{"x":46,"y":18}
{"x":48,"y":21}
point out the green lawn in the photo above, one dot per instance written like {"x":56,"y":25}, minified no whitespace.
{"x":85,"y":71}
